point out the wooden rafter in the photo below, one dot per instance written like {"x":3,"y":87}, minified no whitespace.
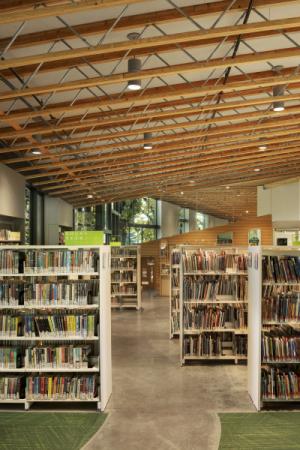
{"x":218,"y":63}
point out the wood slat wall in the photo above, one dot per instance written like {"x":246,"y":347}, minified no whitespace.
{"x":208,"y":237}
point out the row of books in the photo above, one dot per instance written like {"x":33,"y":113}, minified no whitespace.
{"x":48,"y":387}
{"x":14,"y":293}
{"x":211,"y":261}
{"x":281,"y":308}
{"x":215,"y":344}
{"x":124,"y":289}
{"x":225,"y":316}
{"x":198,"y":287}
{"x":280,"y":383}
{"x":280,"y":348}
{"x":281,"y":269}
{"x":11,"y":388}
{"x":69,"y":356}
{"x":123,"y":264}
{"x":59,"y":325}
{"x":44,"y":261}
{"x":274,"y":289}
{"x":175,"y":279}
{"x":122,"y":252}
{"x":57,"y":357}
{"x":8,"y":235}
{"x":119,"y":277}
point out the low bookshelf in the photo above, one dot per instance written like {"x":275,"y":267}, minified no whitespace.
{"x":55,"y":326}
{"x":175,"y":256}
{"x":274,"y":326}
{"x":126,"y":277}
{"x":213,"y":304}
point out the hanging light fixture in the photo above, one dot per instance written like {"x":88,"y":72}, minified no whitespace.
{"x":278,"y":91}
{"x":134,"y":65}
{"x":147,"y":143}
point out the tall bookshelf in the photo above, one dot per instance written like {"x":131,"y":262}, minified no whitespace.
{"x":213,"y":304}
{"x":55,"y":325}
{"x":175,"y":256}
{"x":274,"y":321}
{"x":126,"y":277}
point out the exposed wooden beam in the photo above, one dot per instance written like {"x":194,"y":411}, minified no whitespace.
{"x":262,"y":81}
{"x":23,"y":14}
{"x":125,"y":23}
{"x":218,"y":63}
{"x":149,"y":43}
{"x":128,"y":119}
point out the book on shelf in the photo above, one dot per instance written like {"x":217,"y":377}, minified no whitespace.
{"x":47,"y":261}
{"x":61,"y":387}
{"x":198,"y":287}
{"x":284,"y":307}
{"x":11,"y":387}
{"x":213,"y":261}
{"x":10,"y":236}
{"x":223,"y":316}
{"x":59,"y":325}
{"x":280,"y":383}
{"x":281,"y":269}
{"x":280,"y":344}
{"x":210,"y":344}
{"x":42,"y":293}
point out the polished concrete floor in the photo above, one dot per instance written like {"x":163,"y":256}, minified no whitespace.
{"x":156,"y":403}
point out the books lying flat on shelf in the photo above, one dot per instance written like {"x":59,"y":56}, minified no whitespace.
{"x":212,"y":261}
{"x":281,"y":269}
{"x":225,"y":316}
{"x":281,"y":308}
{"x":280,"y":383}
{"x":198,"y":287}
{"x":61,"y":387}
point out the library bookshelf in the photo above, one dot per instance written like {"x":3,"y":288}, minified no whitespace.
{"x":213,"y":304}
{"x":274,"y":325}
{"x":55,"y":325}
{"x":175,"y":255}
{"x":126,"y":277}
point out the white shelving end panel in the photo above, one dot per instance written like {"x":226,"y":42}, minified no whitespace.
{"x":105,"y":326}
{"x":254,"y":324}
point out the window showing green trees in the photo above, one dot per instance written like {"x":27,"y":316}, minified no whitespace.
{"x":201,"y":220}
{"x":139,"y":220}
{"x":85,"y":219}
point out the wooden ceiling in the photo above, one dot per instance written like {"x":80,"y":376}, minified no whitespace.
{"x":208,"y":71}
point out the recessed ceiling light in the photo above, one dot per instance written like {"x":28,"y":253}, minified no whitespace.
{"x":192,"y":181}
{"x":262,"y":148}
{"x":227,"y":187}
{"x":36,"y":152}
{"x":238,"y":195}
{"x":278,"y":107}
{"x":181,"y":193}
{"x":90,"y":196}
{"x":247,"y":212}
{"x":256,"y":169}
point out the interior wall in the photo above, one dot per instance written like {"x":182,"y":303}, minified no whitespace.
{"x":208,"y":237}
{"x":57,"y":213}
{"x":12,"y":193}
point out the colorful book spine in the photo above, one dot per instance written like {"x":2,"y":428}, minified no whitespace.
{"x":61,"y":387}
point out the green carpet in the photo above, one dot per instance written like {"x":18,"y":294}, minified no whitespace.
{"x":47,"y":430}
{"x":260,"y":431}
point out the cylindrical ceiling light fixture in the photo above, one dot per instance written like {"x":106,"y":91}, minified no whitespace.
{"x":147,"y":143}
{"x":134,"y":65}
{"x":278,"y":91}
